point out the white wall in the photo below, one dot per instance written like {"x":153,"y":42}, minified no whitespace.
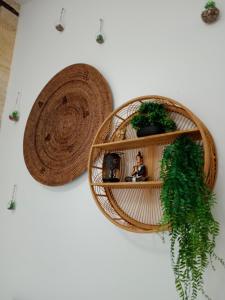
{"x":57,"y":245}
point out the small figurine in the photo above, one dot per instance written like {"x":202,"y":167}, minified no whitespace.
{"x":139,"y":170}
{"x":120,"y":135}
{"x":111,"y":167}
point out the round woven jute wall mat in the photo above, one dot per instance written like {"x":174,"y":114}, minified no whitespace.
{"x":63,"y":122}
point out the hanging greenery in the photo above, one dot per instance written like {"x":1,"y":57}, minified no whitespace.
{"x":187,"y":203}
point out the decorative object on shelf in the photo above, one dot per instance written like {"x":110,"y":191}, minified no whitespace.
{"x":100,"y":39}
{"x":152,"y":118}
{"x":136,"y":206}
{"x":15,"y":115}
{"x":139,"y":171}
{"x":63,"y":122}
{"x":187,"y":202}
{"x":12,"y":203}
{"x":120,"y":135}
{"x":111,"y":167}
{"x":60,"y":25}
{"x":211,"y":12}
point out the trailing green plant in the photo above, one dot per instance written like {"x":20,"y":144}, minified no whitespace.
{"x":152,"y":113}
{"x":210,"y":4}
{"x":187,"y":202}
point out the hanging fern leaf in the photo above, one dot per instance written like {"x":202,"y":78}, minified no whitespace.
{"x":187,"y":203}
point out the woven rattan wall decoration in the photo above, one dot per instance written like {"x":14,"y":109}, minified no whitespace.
{"x":136,"y":206}
{"x":63,"y":122}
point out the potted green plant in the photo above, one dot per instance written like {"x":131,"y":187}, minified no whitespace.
{"x":187,"y":202}
{"x":12,"y":205}
{"x":100,"y":36}
{"x":152,"y":118}
{"x":211,"y":12}
{"x":14,"y":116}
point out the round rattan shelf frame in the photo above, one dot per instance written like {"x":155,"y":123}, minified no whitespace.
{"x":128,"y":205}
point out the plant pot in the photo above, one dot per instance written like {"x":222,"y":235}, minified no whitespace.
{"x":150,"y":130}
{"x":210,"y":15}
{"x":110,"y":179}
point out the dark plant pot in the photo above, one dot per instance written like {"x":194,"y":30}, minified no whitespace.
{"x":150,"y":130}
{"x":210,"y":15}
{"x":110,"y":180}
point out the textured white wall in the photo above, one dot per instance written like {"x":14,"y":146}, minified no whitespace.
{"x":57,"y":245}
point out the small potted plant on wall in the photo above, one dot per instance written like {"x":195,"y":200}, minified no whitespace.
{"x":14,"y":116}
{"x":152,"y":118}
{"x":211,"y":12}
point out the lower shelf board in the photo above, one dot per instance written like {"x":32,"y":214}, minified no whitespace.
{"x":130,"y":185}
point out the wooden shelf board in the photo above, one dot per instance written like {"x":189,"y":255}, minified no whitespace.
{"x":149,"y":140}
{"x":130,"y":185}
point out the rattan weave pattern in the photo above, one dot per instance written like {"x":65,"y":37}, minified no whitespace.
{"x":63,"y":122}
{"x":137,"y":207}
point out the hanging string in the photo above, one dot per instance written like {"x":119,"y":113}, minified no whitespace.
{"x":101,"y":24}
{"x":61,"y":15}
{"x":18,"y":102}
{"x":18,"y":99}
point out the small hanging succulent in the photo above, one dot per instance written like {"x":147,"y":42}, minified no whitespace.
{"x":210,"y":4}
{"x":60,"y":26}
{"x":14,"y":116}
{"x":12,"y":205}
{"x":100,"y":36}
{"x":211,"y":12}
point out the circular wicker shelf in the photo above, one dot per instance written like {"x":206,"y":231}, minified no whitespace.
{"x":136,"y":206}
{"x":63,"y":122}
